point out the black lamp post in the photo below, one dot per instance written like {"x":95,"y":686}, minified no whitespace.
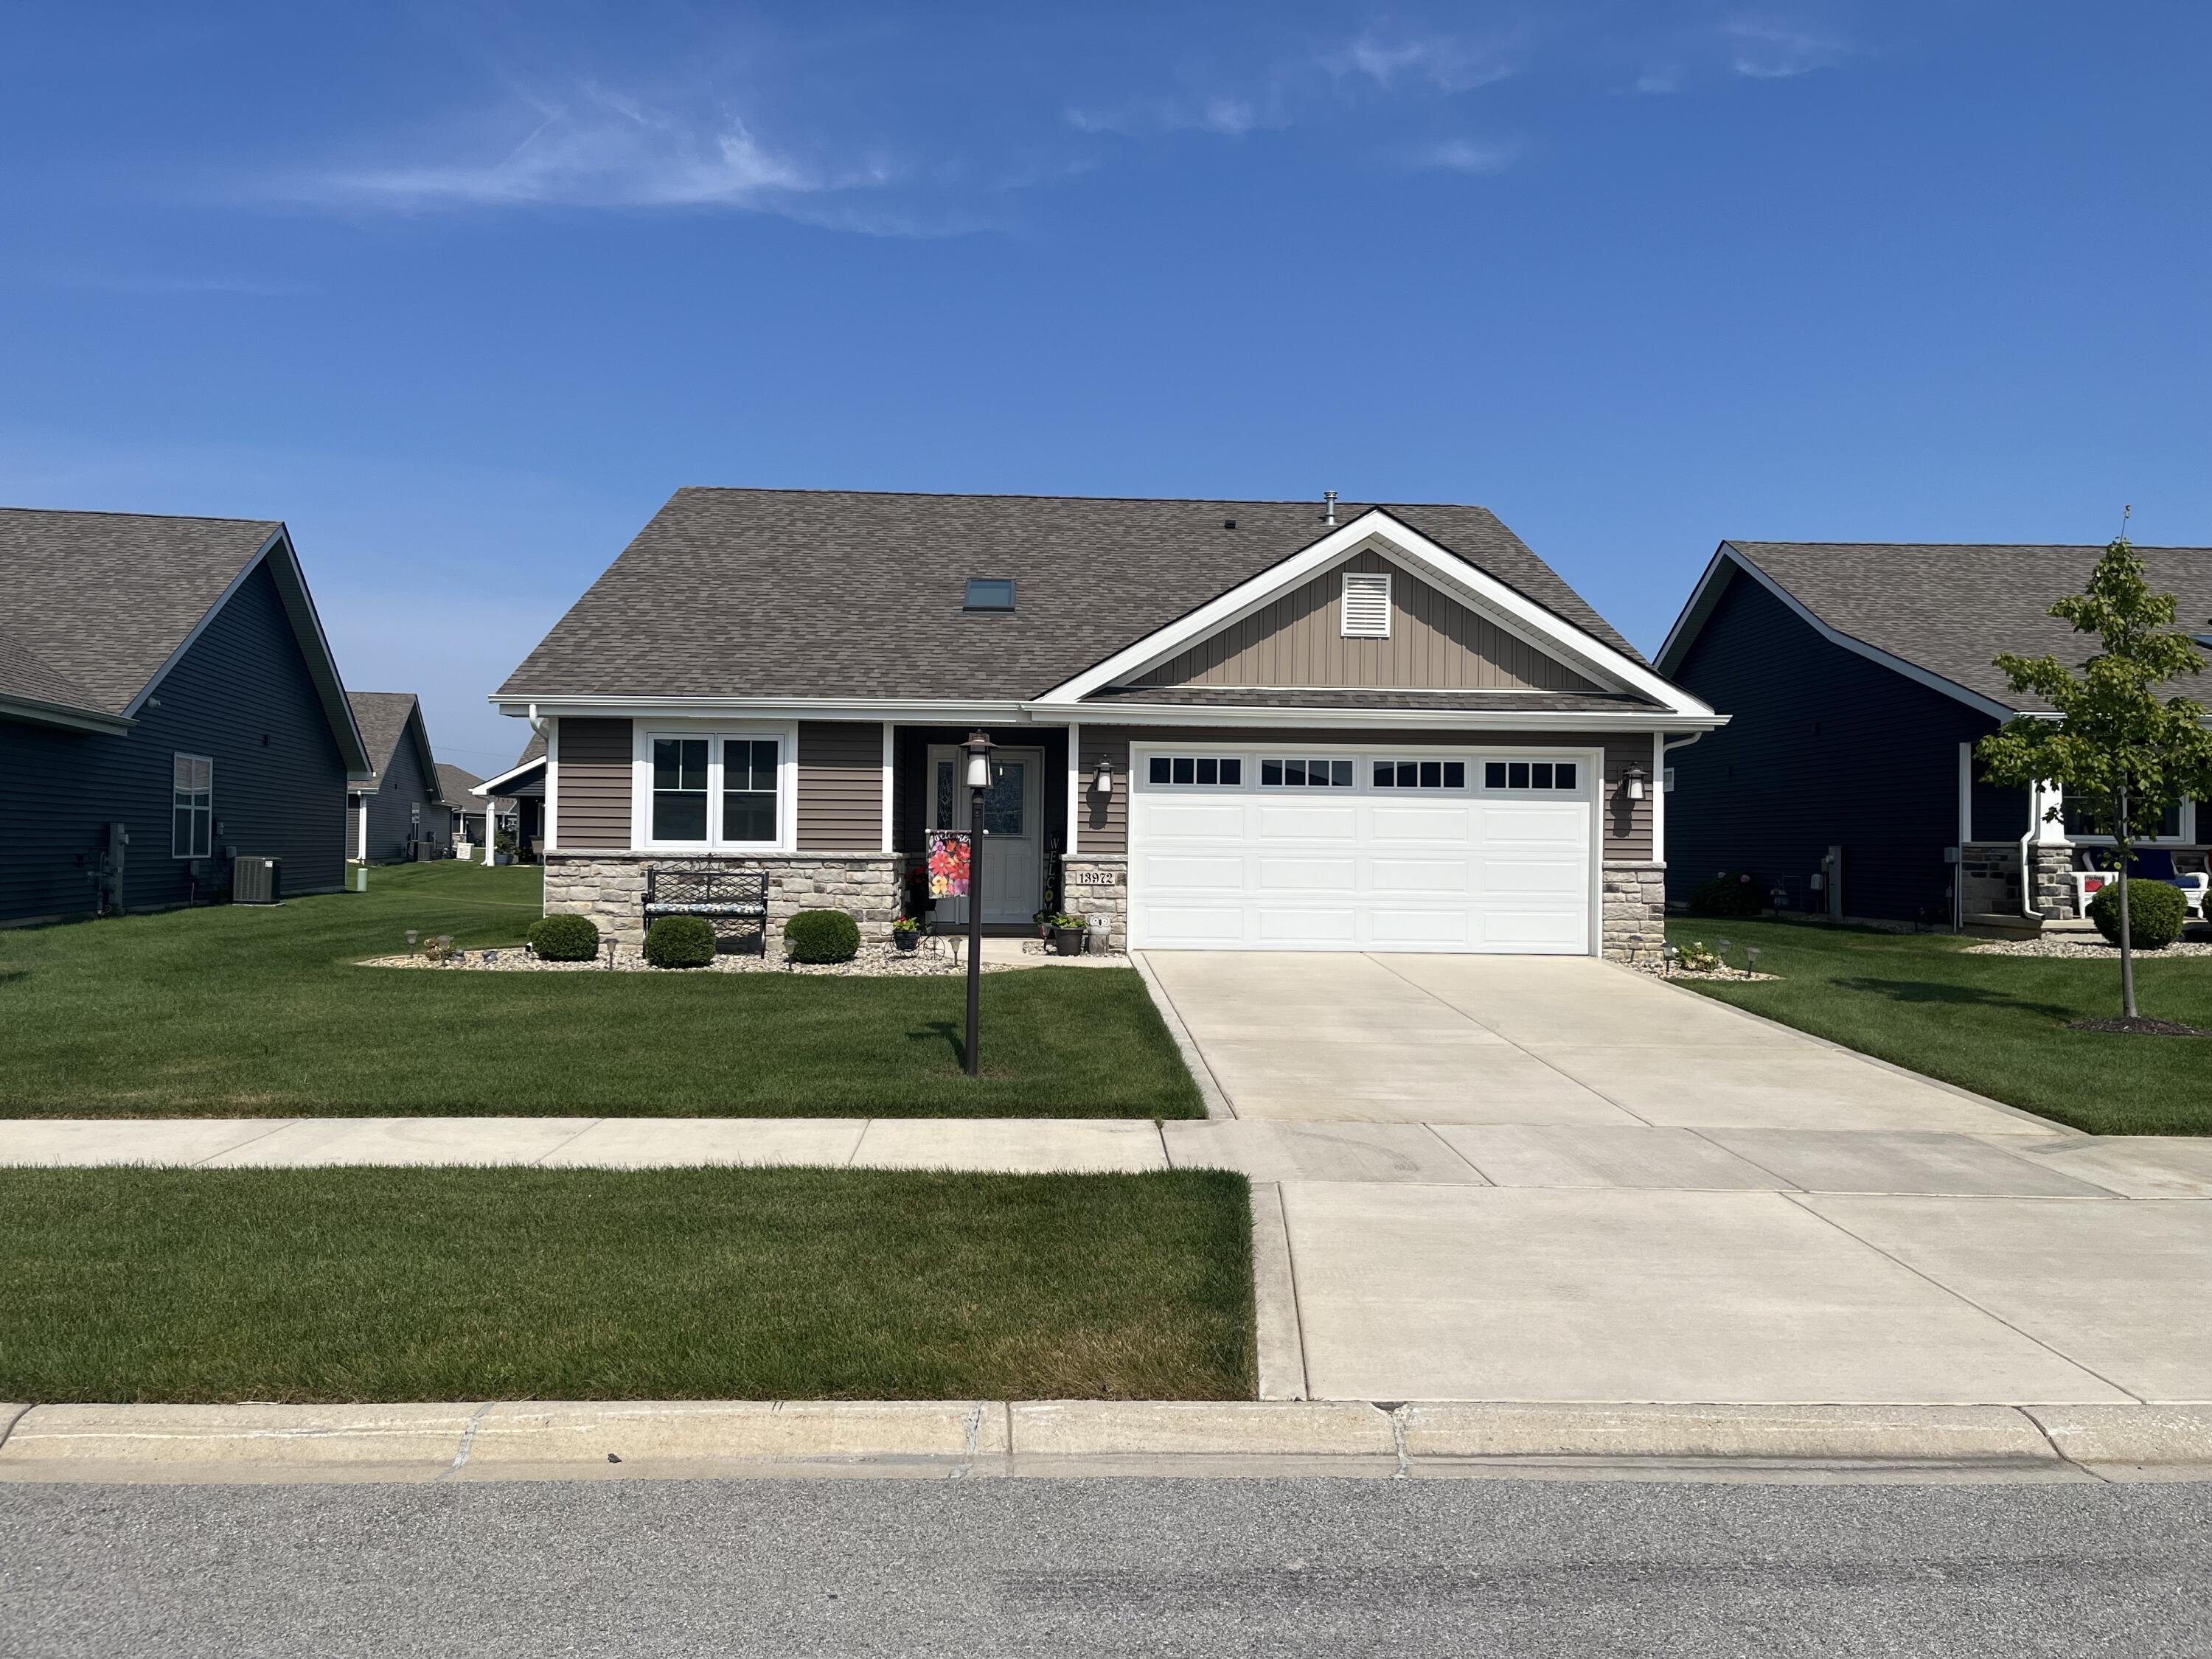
{"x":979,"y":746}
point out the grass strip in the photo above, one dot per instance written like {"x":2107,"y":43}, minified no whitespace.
{"x":361,"y":1285}
{"x":1996,"y":1024}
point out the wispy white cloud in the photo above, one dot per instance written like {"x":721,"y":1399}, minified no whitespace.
{"x":1445,"y":61}
{"x":597,"y":148}
{"x":1467,"y":155}
{"x":1229,"y":114}
{"x":1768,"y":49}
{"x":1659,"y":79}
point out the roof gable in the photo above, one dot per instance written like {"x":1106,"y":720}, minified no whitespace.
{"x":814,"y":594}
{"x":386,"y":720}
{"x":101,"y":605}
{"x":1939,"y":613}
{"x":1436,"y":642}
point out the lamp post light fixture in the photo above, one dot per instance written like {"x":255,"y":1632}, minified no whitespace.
{"x":979,"y":746}
{"x":1633,"y":778}
{"x":1103,"y":779}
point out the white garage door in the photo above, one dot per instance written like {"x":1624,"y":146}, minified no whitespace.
{"x":1382,"y":850}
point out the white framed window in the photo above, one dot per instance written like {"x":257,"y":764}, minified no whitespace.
{"x":1195,"y":771}
{"x":1285,"y":774}
{"x":192,"y":803}
{"x":710,"y":790}
{"x":1516,"y":777}
{"x":1366,"y":605}
{"x":1420,"y":774}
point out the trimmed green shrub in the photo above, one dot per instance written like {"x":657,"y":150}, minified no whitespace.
{"x":1731,"y":893}
{"x":680,"y":942}
{"x":2155,"y":912}
{"x":565,"y":939}
{"x":821,"y":936}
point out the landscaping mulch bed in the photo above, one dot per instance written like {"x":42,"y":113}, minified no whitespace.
{"x":2088,"y":947}
{"x":1671,"y":970}
{"x":2139,"y":1025}
{"x":874,"y":961}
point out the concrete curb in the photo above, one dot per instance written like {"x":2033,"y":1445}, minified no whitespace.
{"x":1218,"y":1104}
{"x":544,"y":1440}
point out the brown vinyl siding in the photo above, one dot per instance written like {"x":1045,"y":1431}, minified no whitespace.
{"x":592,"y":785}
{"x":1436,"y":644}
{"x":1106,"y":818}
{"x":841,"y":786}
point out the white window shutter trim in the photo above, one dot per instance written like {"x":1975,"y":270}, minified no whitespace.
{"x":1366,"y":605}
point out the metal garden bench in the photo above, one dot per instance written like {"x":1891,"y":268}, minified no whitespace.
{"x":723,"y":893}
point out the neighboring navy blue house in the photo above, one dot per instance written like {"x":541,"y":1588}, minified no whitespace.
{"x":1857,"y":678}
{"x":399,"y":813}
{"x":167,"y":702}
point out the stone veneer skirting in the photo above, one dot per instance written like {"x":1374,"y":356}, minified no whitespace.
{"x":1635,"y":923}
{"x":610,"y":888}
{"x":1098,"y":886}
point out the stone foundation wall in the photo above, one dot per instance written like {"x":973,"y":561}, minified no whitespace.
{"x":1635,"y":922}
{"x":1098,"y":886}
{"x":610,"y":888}
{"x":1989,"y":872}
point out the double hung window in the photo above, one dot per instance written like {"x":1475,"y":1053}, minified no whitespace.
{"x":715,"y":791}
{"x":191,"y":802}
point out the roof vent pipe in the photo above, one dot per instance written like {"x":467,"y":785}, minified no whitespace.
{"x":1328,"y":507}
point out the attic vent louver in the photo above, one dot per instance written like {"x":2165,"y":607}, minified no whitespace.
{"x":1366,"y":605}
{"x":988,"y":593}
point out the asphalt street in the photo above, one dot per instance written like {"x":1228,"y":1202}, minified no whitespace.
{"x":1215,"y":1568}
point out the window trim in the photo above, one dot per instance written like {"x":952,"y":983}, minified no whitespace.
{"x":201,"y":815}
{"x":784,"y":734}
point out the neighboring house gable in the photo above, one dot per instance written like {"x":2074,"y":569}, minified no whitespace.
{"x":242,"y":695}
{"x":1434,"y":642}
{"x":404,"y":803}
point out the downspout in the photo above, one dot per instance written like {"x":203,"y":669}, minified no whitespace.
{"x":2027,"y":909}
{"x":1667,"y":746}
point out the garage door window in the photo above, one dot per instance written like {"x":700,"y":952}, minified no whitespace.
{"x":1305,"y":773}
{"x":1197,"y":771}
{"x":1512,"y":775}
{"x":1420,"y":774}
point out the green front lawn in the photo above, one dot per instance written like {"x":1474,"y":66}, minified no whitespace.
{"x":1996,"y":1024}
{"x":234,"y":1011}
{"x":380,"y":1284}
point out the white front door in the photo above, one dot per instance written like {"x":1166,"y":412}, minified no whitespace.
{"x":1284,"y":850}
{"x":1013,"y":839}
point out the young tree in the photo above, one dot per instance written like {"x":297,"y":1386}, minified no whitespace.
{"x":2115,"y":747}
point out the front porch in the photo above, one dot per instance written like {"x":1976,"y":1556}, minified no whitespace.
{"x":2061,"y":877}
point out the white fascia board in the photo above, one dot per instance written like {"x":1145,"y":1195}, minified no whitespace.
{"x":1407,"y":546}
{"x":490,"y":786}
{"x":1443,"y":719}
{"x":918,"y":711}
{"x":1707,"y":594}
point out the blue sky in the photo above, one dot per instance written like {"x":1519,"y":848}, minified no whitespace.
{"x":463,"y":292}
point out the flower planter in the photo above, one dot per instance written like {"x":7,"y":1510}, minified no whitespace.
{"x":1068,"y":941}
{"x":906,"y":944}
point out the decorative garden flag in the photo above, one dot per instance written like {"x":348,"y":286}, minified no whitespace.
{"x":948,"y":864}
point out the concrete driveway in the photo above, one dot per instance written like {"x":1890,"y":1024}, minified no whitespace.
{"x":1553,"y":1179}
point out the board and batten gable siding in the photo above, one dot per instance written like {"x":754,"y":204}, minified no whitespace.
{"x":1105,"y":822}
{"x":841,"y":786}
{"x":1823,"y":748}
{"x":591,"y":785}
{"x":400,"y":808}
{"x":1436,"y":644}
{"x":242,"y":695}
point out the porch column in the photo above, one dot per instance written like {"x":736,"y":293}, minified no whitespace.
{"x":1075,"y":790}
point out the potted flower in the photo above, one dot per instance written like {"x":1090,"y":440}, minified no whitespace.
{"x":906,"y":934}
{"x":1043,"y":920}
{"x":1067,"y":934}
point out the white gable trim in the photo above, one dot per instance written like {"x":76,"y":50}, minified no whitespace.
{"x":1401,"y":544}
{"x":1707,"y":593}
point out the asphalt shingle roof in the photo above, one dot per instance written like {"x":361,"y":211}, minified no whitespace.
{"x":382,"y":718}
{"x":1245,"y":696}
{"x":829,"y":593}
{"x":455,"y":784}
{"x":96,"y":603}
{"x":1952,"y":608}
